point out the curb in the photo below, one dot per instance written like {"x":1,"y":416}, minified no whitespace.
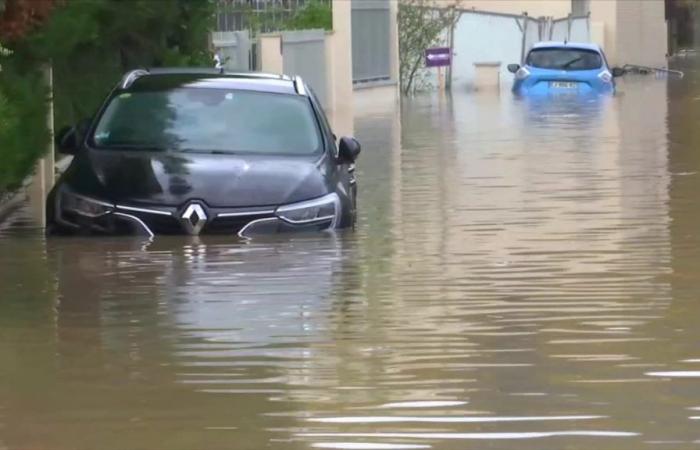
{"x":11,"y":203}
{"x":14,"y":200}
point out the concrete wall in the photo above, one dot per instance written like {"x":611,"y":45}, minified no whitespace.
{"x":641,"y":32}
{"x":631,"y":31}
{"x":535,"y":8}
{"x":481,"y":39}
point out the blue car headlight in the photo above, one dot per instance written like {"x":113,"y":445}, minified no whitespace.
{"x":84,"y":206}
{"x":312,"y":211}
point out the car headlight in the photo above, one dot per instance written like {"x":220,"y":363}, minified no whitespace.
{"x":85,"y":206}
{"x":311,"y":211}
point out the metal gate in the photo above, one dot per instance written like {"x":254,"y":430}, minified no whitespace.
{"x":304,"y":54}
{"x":572,"y":29}
{"x":263,"y":16}
{"x":371,"y":40}
{"x":234,"y":48}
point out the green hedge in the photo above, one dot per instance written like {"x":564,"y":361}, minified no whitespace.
{"x":90,"y":44}
{"x":23,"y":130}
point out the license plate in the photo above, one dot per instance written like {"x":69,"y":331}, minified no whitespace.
{"x":563,"y":85}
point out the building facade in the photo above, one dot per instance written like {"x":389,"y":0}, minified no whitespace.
{"x":631,"y":31}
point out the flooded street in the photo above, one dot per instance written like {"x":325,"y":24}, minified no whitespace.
{"x":525,"y":275}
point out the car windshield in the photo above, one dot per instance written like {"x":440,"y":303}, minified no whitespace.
{"x":209,"y":120}
{"x":564,"y":59}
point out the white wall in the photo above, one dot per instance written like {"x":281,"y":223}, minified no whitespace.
{"x":482,"y":38}
{"x":641,"y":32}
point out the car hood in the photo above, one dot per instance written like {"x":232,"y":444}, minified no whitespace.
{"x":171,"y":179}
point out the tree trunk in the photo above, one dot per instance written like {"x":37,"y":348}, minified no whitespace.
{"x":413,"y":74}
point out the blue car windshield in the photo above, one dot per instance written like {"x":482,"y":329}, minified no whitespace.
{"x":564,"y":59}
{"x":209,"y":120}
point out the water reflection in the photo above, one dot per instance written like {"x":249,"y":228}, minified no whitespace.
{"x":523,"y":276}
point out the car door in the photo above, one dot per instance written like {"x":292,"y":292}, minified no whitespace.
{"x":344,"y":172}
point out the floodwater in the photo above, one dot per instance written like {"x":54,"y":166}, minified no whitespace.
{"x":525,"y":275}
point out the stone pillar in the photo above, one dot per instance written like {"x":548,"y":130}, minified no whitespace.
{"x":394,"y":36}
{"x":271,"y":54}
{"x":45,"y":170}
{"x":604,"y":26}
{"x":340,"y":68}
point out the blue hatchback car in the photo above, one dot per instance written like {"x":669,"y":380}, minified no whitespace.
{"x":564,"y":68}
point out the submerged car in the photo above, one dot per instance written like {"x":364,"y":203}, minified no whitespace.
{"x":564,"y":68}
{"x":176,"y":151}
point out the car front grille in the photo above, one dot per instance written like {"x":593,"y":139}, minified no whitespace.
{"x":161,"y":224}
{"x":231,"y":225}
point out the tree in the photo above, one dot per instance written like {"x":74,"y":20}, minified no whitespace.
{"x":18,"y":17}
{"x":314,"y":14}
{"x":420,"y":27}
{"x":90,"y":44}
{"x":4,"y":52}
{"x":6,"y":113}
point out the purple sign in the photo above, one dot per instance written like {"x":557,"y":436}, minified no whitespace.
{"x":438,"y":57}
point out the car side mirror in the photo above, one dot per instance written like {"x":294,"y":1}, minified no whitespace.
{"x":348,"y":149}
{"x":618,"y":72}
{"x":512,"y":68}
{"x":67,"y":140}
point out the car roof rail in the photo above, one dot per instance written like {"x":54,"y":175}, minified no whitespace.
{"x":299,"y":85}
{"x":132,"y":76}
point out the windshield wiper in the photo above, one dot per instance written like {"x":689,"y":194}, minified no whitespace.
{"x":208,"y":152}
{"x":573,"y":61}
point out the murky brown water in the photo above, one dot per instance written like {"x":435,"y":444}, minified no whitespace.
{"x":525,"y":276}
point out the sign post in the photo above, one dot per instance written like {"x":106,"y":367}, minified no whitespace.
{"x":439,"y":57}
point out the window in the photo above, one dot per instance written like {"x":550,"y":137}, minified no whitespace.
{"x":209,"y":120}
{"x":564,"y":59}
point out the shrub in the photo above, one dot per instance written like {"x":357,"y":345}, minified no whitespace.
{"x":23,"y":130}
{"x":313,"y":15}
{"x":90,"y":45}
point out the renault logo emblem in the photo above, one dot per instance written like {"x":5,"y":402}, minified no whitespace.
{"x":194,"y":218}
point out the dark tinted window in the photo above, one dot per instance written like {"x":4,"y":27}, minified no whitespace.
{"x":203,"y":119}
{"x":564,"y":59}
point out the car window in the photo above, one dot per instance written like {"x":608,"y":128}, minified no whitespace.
{"x":324,"y":121}
{"x":206,"y":120}
{"x":564,"y":59}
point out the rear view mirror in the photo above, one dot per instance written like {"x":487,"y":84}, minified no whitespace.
{"x":348,"y":149}
{"x":512,"y":68}
{"x":618,"y":72}
{"x":67,"y":140}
